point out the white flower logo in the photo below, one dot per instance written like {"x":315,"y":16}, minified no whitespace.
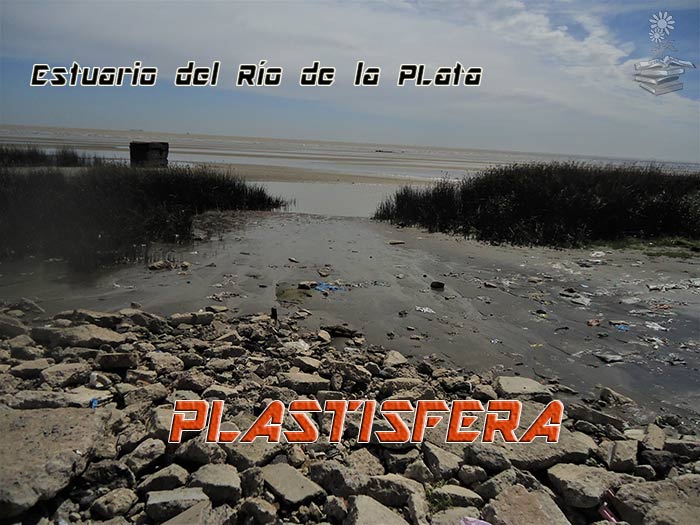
{"x":656,"y":36}
{"x":662,"y":23}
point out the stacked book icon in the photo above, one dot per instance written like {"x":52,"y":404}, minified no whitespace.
{"x":661,"y":75}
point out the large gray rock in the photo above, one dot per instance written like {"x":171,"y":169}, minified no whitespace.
{"x":517,"y":506}
{"x":103,"y":319}
{"x":115,"y":503}
{"x":220,"y":482}
{"x":289,"y":485}
{"x":165,"y":504}
{"x":454,"y":515}
{"x":304,"y":383}
{"x":117,"y":360}
{"x":11,"y":326}
{"x":442,"y":464}
{"x":459,"y":496}
{"x":198,"y":452}
{"x":338,"y":479}
{"x":668,"y":502}
{"x":367,"y":511}
{"x":572,"y":447}
{"x":164,"y":363}
{"x":80,"y":397}
{"x":66,"y":374}
{"x":202,"y":514}
{"x":619,"y":456}
{"x":393,"y":490}
{"x":168,"y":478}
{"x":86,"y":335}
{"x":143,"y":456}
{"x":512,"y":386}
{"x":582,"y":486}
{"x":30,"y":369}
{"x":48,"y":448}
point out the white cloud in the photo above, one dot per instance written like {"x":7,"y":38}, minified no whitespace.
{"x":543,"y":89}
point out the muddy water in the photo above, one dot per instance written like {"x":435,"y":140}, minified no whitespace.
{"x":501,"y":306}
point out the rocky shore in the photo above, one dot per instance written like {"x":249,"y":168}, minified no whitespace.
{"x":87,"y":399}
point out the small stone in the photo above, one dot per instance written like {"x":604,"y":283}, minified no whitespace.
{"x":469,"y":475}
{"x":394,"y":358}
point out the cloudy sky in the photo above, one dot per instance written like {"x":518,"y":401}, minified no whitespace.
{"x":557,"y":75}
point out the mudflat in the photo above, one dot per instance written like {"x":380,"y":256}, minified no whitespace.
{"x":619,"y":318}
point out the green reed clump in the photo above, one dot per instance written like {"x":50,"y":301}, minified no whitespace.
{"x":30,"y":156}
{"x":98,"y":214}
{"x":554,"y":204}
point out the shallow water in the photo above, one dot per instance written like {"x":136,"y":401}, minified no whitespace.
{"x":332,"y":199}
{"x":339,"y":157}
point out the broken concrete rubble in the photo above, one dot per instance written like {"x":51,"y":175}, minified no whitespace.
{"x":110,"y":459}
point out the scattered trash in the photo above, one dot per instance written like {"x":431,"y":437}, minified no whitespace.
{"x":575,"y":297}
{"x":609,"y":358}
{"x":488,"y":284}
{"x":561,"y":328}
{"x":161,"y":265}
{"x":655,"y":342}
{"x":324,"y":272}
{"x":597,"y":255}
{"x":425,"y":310}
{"x":605,"y":508}
{"x":496,"y":341}
{"x":593,"y":322}
{"x":655,"y":326}
{"x":622,"y":326}
{"x":292,"y":259}
{"x":396,"y":243}
{"x":437,"y":285}
{"x":630,"y":300}
{"x":473,"y":521}
{"x":328,"y":287}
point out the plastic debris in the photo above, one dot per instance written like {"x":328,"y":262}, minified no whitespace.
{"x":593,"y":322}
{"x":655,"y":326}
{"x":622,"y":326}
{"x":473,"y":521}
{"x":328,"y":287}
{"x":424,"y":310}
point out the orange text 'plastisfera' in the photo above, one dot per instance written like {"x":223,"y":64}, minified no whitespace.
{"x":396,"y":421}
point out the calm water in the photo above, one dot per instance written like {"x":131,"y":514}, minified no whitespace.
{"x":340,"y":157}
